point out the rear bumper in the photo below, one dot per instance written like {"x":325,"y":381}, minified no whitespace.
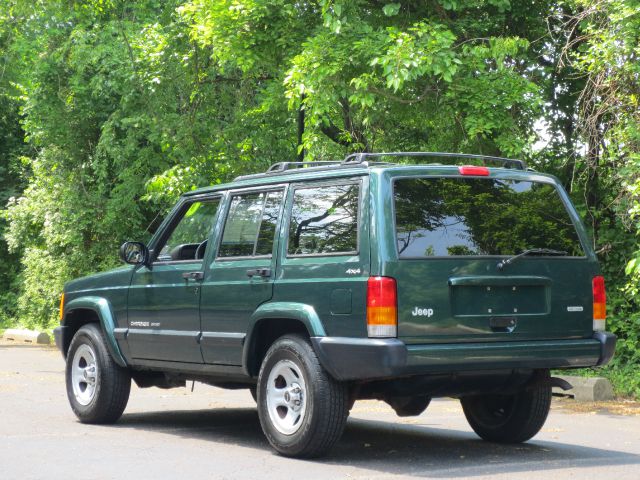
{"x":608,"y":342}
{"x":368,"y":359}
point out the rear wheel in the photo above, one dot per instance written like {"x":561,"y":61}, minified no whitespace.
{"x":97,"y":388}
{"x":302,"y":409}
{"x":509,"y":418}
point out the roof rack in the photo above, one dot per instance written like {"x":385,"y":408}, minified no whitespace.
{"x":282,"y":168}
{"x":363,"y":159}
{"x":356,"y":158}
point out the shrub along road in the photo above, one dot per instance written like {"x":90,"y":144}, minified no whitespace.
{"x":213,"y":433}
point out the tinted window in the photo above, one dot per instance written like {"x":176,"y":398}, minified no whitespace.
{"x":324,"y":220}
{"x":251,"y":224}
{"x":267,"y":233}
{"x":193,"y":229}
{"x":472,"y":216}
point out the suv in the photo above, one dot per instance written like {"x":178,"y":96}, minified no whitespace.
{"x":317,"y":284}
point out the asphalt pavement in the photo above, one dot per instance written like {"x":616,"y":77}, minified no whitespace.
{"x":214,"y":433}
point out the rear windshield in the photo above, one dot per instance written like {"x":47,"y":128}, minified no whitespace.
{"x":480,"y":216}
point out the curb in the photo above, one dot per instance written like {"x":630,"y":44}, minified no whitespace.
{"x":26,"y":336}
{"x":586,"y":389}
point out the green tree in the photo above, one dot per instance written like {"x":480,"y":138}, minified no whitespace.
{"x":125,"y":105}
{"x":12,"y":149}
{"x":605,"y":53}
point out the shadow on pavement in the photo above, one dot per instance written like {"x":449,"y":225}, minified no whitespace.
{"x":387,"y":447}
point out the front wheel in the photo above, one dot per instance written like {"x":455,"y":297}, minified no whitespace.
{"x":97,"y":388}
{"x":511,"y":418}
{"x":302,"y":410}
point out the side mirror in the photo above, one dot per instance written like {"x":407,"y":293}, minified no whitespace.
{"x":134,"y":253}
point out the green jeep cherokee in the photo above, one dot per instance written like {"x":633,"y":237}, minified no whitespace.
{"x":317,"y":284}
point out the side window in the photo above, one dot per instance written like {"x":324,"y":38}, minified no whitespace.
{"x":250,"y":226}
{"x":188,"y":239}
{"x":324,"y":220}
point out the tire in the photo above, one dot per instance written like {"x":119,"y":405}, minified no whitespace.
{"x":509,"y":418}
{"x":302,"y":410}
{"x":253,"y":390}
{"x":97,"y":388}
{"x":409,"y":406}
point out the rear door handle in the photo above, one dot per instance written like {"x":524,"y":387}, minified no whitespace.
{"x":259,"y":272}
{"x":193,"y":275}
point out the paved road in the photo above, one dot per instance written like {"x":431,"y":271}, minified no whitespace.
{"x":213,"y":433}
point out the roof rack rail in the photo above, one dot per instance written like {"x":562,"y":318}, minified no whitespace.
{"x":365,"y":160}
{"x":282,"y":166}
{"x":294,"y":167}
{"x":356,"y":158}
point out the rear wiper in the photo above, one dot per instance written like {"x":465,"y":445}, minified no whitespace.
{"x":530,"y":251}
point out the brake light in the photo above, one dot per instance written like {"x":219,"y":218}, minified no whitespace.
{"x":382,"y":307}
{"x":474,"y":170}
{"x":599,"y":303}
{"x":61,"y":307}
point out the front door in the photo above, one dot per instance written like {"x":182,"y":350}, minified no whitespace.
{"x":241,"y":273}
{"x":164,"y":321}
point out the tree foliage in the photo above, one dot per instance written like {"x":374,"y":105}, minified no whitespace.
{"x":605,"y":52}
{"x":110,"y":109}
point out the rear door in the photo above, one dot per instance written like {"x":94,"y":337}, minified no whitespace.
{"x":452,"y":232}
{"x":240,"y":274}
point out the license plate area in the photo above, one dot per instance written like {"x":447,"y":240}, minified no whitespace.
{"x":495,"y":297}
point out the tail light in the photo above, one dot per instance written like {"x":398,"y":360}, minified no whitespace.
{"x":599,"y":304}
{"x":382,"y":307}
{"x":61,"y":307}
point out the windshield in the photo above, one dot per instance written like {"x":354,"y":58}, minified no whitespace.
{"x":480,"y":216}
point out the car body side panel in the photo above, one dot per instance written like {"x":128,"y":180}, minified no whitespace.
{"x":103,"y":310}
{"x":164,"y":322}
{"x":300,"y":312}
{"x":113,"y":285}
{"x":335,"y":284}
{"x":105,"y":294}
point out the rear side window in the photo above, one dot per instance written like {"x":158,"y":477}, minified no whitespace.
{"x":480,"y":216}
{"x":324,"y":220}
{"x":251,"y":224}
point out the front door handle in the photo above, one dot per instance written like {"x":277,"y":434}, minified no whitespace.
{"x":193,"y":275}
{"x":259,"y":272}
